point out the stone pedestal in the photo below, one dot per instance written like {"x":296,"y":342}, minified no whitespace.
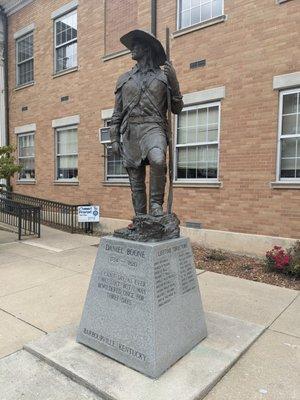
{"x":143,"y":306}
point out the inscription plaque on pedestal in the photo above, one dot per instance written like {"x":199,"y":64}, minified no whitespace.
{"x":143,"y":306}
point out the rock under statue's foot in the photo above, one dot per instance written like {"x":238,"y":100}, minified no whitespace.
{"x":150,"y":228}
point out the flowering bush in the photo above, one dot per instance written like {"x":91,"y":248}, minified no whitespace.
{"x":278,"y":259}
{"x":294,"y":266}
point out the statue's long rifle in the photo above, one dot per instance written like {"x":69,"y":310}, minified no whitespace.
{"x":169,"y":120}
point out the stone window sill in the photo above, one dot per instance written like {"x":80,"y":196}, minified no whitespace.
{"x":198,"y":184}
{"x":113,"y":183}
{"x":66,"y":183}
{"x":64,"y":72}
{"x":285,"y":185}
{"x":116,"y":54}
{"x":20,"y":87}
{"x":201,"y":25}
{"x":26,"y":182}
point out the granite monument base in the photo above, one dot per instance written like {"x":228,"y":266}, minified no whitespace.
{"x":143,"y":307}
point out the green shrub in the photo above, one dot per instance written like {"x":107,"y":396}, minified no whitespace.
{"x":294,"y":266}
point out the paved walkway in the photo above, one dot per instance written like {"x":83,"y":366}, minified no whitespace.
{"x":43,"y":283}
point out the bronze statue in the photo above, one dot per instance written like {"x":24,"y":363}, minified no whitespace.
{"x":140,"y":118}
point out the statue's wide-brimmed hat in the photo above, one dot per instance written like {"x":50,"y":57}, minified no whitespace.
{"x":138,"y":35}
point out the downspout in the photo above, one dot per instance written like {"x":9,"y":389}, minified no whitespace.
{"x":154,"y":17}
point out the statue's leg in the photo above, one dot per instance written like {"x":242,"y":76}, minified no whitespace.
{"x":138,"y":189}
{"x":158,"y":169}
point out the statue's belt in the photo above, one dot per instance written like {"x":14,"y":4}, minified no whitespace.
{"x":147,"y":119}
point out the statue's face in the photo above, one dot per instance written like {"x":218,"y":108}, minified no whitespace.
{"x":138,"y":51}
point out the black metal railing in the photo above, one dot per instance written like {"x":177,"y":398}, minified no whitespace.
{"x":53,"y":213}
{"x":25,"y":218}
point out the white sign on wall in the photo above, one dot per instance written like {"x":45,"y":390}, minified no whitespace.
{"x":88,"y":214}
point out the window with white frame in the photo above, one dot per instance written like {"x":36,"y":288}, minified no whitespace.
{"x":114,"y":169}
{"x":289,"y":135}
{"x":197,"y":144}
{"x":25,"y":61}
{"x":65,"y":36}
{"x":191,"y":12}
{"x":66,"y":153}
{"x":26,"y":154}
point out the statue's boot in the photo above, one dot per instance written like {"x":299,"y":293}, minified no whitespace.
{"x":138,"y":189}
{"x":157,"y":188}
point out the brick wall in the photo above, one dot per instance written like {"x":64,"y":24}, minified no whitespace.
{"x":258,"y":40}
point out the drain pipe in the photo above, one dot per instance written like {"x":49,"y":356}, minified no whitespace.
{"x":154,"y":17}
{"x":4,"y":100}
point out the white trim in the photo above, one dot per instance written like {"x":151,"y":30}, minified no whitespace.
{"x":19,"y":4}
{"x":64,"y":9}
{"x":279,"y":137}
{"x":25,"y":128}
{"x":178,"y":11}
{"x":107,"y":113}
{"x":66,"y":121}
{"x":204,"y":96}
{"x":286,"y":81}
{"x":24,"y":31}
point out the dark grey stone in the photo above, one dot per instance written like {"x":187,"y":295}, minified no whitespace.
{"x":148,"y":228}
{"x":143,"y":306}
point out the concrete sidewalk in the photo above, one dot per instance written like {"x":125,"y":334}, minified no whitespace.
{"x":43,"y":283}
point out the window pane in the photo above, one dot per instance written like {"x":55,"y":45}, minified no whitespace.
{"x":25,"y":72}
{"x":205,"y":11}
{"x":185,"y":19}
{"x":181,"y":163}
{"x":182,"y":119}
{"x":290,"y":103}
{"x":192,"y":135}
{"x":288,"y":148}
{"x":289,"y":124}
{"x":25,"y":48}
{"x":28,"y":170}
{"x":288,"y":168}
{"x":115,"y":168}
{"x":202,"y":116}
{"x":67,"y":167}
{"x":191,"y":162}
{"x":298,"y":168}
{"x":212,"y":134}
{"x":67,"y":142}
{"x":195,"y":15}
{"x":66,"y":57}
{"x":202,"y":134}
{"x":213,"y":115}
{"x":192,"y":118}
{"x":182,"y":136}
{"x":66,"y":28}
{"x":216,"y":8}
{"x":185,"y":4}
{"x":202,"y":162}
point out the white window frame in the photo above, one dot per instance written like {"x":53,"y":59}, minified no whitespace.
{"x":56,"y":130}
{"x":19,"y":39}
{"x":197,"y":23}
{"x":113,"y":178}
{"x":56,"y":47}
{"x":176,"y":146}
{"x":278,"y":169}
{"x":24,"y":157}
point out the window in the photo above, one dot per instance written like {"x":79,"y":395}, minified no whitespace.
{"x":66,"y":41}
{"x":114,"y":170}
{"x":66,"y":153}
{"x":289,"y":135}
{"x":192,"y":12}
{"x":26,"y":156}
{"x":197,"y":144}
{"x":24,"y":49}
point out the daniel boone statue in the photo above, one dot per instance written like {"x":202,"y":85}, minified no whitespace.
{"x":140,"y":118}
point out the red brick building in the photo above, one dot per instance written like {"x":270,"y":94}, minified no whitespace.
{"x":237,"y":141}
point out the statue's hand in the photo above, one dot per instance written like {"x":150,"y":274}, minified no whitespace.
{"x":115,"y":148}
{"x":170,"y":73}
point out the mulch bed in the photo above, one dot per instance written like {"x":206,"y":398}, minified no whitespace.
{"x":245,"y":267}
